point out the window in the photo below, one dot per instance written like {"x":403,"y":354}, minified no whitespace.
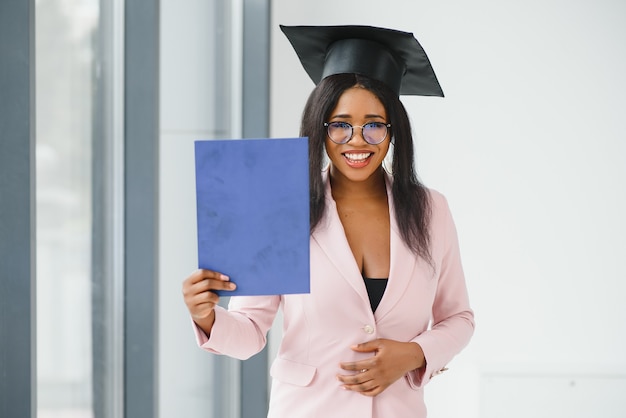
{"x":73,"y":184}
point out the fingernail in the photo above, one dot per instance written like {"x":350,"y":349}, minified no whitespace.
{"x":224,"y":277}
{"x":232,"y":286}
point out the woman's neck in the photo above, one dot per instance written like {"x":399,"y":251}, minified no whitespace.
{"x":373,"y":187}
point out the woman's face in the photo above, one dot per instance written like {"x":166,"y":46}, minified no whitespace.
{"x":357,"y":160}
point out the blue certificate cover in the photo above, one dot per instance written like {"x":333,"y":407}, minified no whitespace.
{"x":253,"y":213}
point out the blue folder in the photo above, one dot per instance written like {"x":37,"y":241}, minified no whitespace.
{"x":253,"y":213}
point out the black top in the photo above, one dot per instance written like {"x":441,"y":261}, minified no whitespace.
{"x":375,"y":290}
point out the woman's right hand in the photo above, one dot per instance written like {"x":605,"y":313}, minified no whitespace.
{"x":200,"y":298}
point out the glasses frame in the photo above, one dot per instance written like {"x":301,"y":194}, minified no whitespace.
{"x":386,"y":125}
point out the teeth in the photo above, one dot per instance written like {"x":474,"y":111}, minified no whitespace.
{"x":358,"y":157}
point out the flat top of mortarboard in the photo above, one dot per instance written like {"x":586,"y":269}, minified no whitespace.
{"x":391,"y":56}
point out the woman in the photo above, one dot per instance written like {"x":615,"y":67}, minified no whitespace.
{"x":388,"y":307}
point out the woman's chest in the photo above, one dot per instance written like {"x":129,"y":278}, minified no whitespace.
{"x":366,"y":229}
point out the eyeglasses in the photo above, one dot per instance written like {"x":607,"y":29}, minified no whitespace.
{"x":342,"y":132}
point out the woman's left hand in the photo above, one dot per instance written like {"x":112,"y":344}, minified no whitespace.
{"x":391,"y":360}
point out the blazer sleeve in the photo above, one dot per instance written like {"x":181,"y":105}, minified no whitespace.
{"x":240,"y":331}
{"x":452,"y":318}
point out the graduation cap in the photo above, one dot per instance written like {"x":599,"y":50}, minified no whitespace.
{"x":394,"y":57}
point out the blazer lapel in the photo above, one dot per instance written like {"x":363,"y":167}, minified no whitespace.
{"x":331,"y":238}
{"x":401,"y":264}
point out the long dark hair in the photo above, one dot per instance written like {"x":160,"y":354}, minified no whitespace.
{"x":410,"y":197}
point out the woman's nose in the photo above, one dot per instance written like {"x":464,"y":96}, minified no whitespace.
{"x":358,"y":131}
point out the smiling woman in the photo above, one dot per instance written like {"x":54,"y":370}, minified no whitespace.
{"x":388,"y":307}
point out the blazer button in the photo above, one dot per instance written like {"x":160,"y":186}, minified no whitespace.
{"x":369,"y":329}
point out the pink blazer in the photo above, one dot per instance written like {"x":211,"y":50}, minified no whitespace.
{"x":421,"y":304}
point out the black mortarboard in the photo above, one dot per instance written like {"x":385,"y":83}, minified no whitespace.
{"x":396,"y":58}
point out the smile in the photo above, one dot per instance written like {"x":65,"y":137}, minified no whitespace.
{"x":357,"y":157}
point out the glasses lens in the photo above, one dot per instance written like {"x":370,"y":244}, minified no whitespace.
{"x":339,"y":132}
{"x":374,"y":132}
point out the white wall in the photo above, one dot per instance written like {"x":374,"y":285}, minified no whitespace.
{"x":529,"y":146}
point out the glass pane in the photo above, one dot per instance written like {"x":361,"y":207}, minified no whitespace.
{"x":65,"y":31}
